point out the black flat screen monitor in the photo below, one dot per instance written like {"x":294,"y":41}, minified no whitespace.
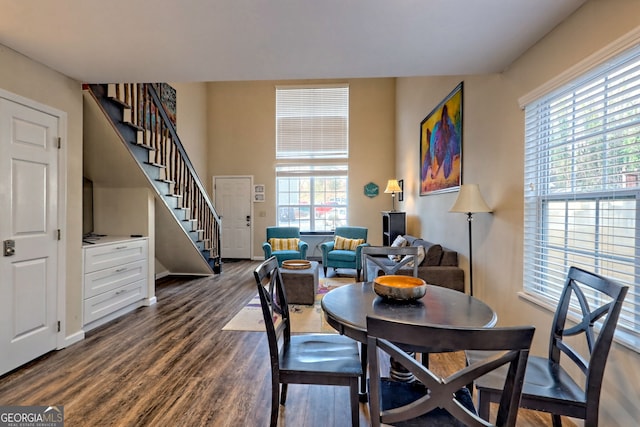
{"x":87,"y":206}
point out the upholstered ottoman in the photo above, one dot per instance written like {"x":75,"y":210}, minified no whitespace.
{"x":301,"y":285}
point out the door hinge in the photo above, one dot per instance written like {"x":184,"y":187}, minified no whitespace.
{"x":58,"y":326}
{"x":59,"y":234}
{"x":59,"y":142}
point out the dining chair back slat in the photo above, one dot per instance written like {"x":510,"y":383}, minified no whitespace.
{"x":378,"y":256}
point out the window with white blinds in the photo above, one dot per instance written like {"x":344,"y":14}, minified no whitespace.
{"x":312,"y":122}
{"x":582,"y":184}
{"x":312,"y":149}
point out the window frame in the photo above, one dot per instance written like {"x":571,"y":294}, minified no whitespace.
{"x":543,"y":275}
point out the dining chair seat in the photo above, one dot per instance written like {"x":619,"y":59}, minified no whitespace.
{"x":326,"y":354}
{"x":549,"y":381}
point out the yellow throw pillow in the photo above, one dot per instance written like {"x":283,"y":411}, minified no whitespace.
{"x":347,"y":244}
{"x":284,"y":244}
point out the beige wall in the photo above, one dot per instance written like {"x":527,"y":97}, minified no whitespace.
{"x":191,"y":123}
{"x":24,"y":77}
{"x":493,"y":158}
{"x":242,"y":142}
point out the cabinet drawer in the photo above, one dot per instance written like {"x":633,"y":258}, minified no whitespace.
{"x":106,"y":256}
{"x":111,"y":278}
{"x":108,"y":302}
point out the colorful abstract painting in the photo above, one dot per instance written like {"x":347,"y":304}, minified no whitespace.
{"x":441,"y":146}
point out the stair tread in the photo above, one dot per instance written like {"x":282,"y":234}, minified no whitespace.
{"x":156,"y":164}
{"x":133,"y":125}
{"x":148,"y":147}
{"x":119,"y":102}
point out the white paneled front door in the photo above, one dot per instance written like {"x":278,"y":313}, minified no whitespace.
{"x":233,"y":204}
{"x":29,"y":233}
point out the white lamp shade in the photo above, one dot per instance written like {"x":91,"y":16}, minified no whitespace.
{"x":393,"y":187}
{"x":470,"y":200}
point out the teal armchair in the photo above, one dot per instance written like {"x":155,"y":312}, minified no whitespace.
{"x":344,"y":258}
{"x":284,"y":254}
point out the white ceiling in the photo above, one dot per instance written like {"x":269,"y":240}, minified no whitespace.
{"x":100,"y":41}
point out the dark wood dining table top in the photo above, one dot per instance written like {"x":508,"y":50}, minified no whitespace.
{"x":346,"y":309}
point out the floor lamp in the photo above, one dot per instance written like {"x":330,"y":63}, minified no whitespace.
{"x":470,"y":201}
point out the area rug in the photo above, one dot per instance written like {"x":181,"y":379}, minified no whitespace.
{"x":304,"y":318}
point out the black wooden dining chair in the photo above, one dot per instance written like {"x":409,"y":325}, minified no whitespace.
{"x":323,"y":359}
{"x":548,"y":387}
{"x":433,"y":400}
{"x":376,"y":258}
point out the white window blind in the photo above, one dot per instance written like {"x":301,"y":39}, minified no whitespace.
{"x":582,"y":184}
{"x":312,"y":122}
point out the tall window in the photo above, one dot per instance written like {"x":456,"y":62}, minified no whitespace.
{"x":582,"y":184}
{"x":312,"y":148}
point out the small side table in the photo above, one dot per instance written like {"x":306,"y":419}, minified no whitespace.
{"x":301,"y":286}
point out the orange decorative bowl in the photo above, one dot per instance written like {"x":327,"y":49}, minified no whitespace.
{"x":399,"y":288}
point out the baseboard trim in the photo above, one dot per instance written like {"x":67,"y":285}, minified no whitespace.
{"x":72,"y":339}
{"x":163,"y":274}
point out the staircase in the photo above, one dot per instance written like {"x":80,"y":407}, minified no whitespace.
{"x":144,"y":126}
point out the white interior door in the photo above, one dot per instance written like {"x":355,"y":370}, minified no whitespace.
{"x":29,"y":223}
{"x":233,"y":203}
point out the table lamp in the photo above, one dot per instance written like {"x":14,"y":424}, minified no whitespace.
{"x":470,"y":201}
{"x":393,"y":187}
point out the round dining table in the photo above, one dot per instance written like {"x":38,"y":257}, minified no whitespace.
{"x":346,"y":309}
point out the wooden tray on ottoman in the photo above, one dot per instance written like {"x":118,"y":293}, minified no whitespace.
{"x":296,"y":264}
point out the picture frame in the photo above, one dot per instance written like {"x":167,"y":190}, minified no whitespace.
{"x":258,"y":193}
{"x":441,"y":145}
{"x":401,"y":193}
{"x":147,"y":111}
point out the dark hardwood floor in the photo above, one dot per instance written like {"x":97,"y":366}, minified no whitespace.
{"x":172,"y":365}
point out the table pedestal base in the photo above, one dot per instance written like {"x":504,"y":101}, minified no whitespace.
{"x":399,"y":373}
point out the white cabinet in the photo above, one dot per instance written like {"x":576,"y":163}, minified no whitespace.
{"x":115,"y":278}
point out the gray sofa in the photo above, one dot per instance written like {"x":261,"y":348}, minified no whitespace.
{"x":440,"y":265}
